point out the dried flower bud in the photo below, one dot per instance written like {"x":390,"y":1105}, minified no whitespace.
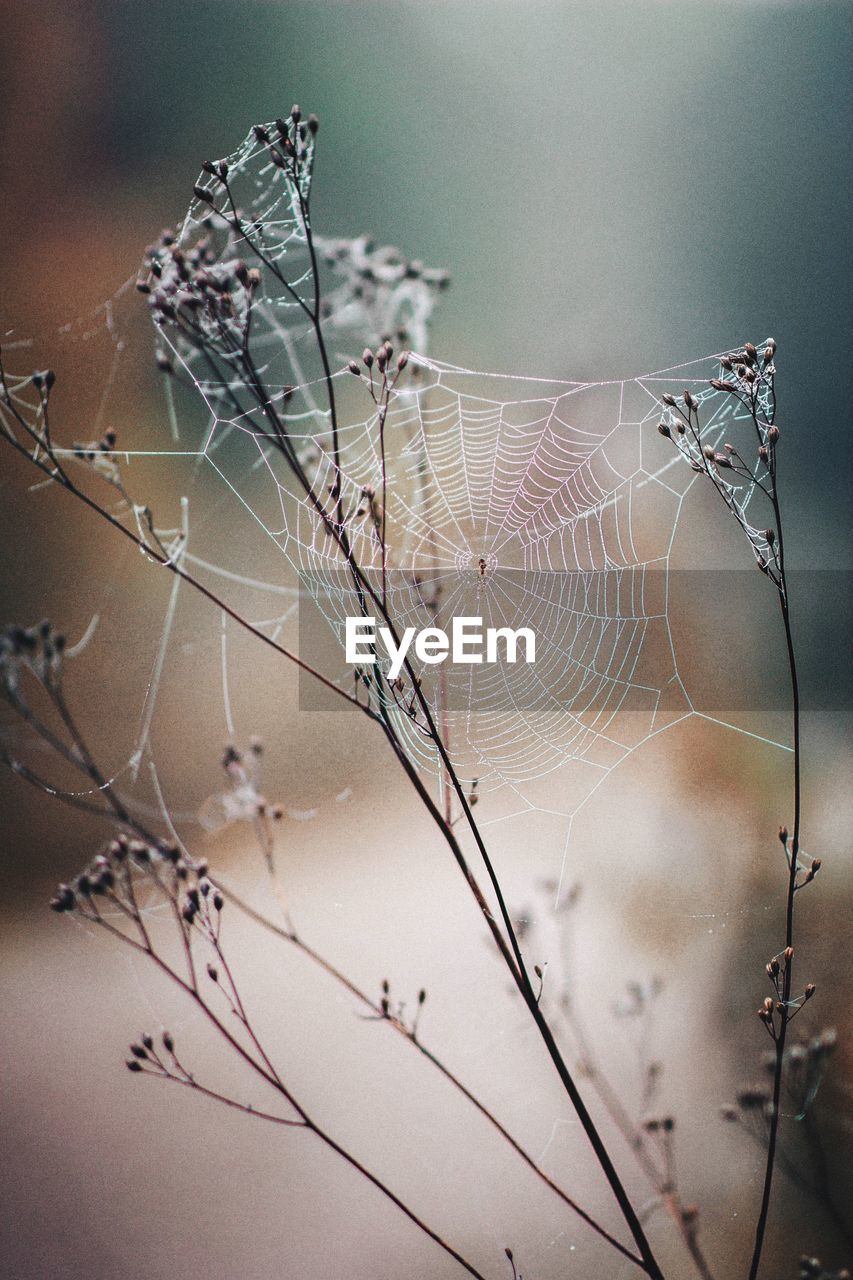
{"x":313,"y":125}
{"x":168,"y":1042}
{"x":751,"y":352}
{"x":213,"y":973}
{"x":668,"y":399}
{"x":402,"y":361}
{"x":809,"y":991}
{"x":773,"y":434}
{"x":64,"y":899}
{"x":133,"y":1065}
{"x":664,"y":430}
{"x":353,"y":368}
{"x":783,"y":834}
{"x":203,"y":195}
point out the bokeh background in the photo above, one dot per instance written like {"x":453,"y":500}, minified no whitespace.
{"x":614,"y":188}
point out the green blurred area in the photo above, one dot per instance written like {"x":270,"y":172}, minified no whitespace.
{"x":614,"y":187}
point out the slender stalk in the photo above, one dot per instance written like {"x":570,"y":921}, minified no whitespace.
{"x":291,"y":936}
{"x":787,"y":981}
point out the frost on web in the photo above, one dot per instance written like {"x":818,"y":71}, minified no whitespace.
{"x":550,"y":505}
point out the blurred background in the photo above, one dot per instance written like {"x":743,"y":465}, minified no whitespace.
{"x":614,"y":188}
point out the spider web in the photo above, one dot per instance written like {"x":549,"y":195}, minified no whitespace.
{"x":546,"y":504}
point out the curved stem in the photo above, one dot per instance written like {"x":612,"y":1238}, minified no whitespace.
{"x":787,"y":981}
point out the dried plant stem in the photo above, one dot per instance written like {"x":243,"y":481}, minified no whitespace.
{"x":505,"y":939}
{"x":267,"y":1072}
{"x":662,"y":1184}
{"x":289,"y":934}
{"x":512,"y":957}
{"x":81,"y":758}
{"x":787,"y":981}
